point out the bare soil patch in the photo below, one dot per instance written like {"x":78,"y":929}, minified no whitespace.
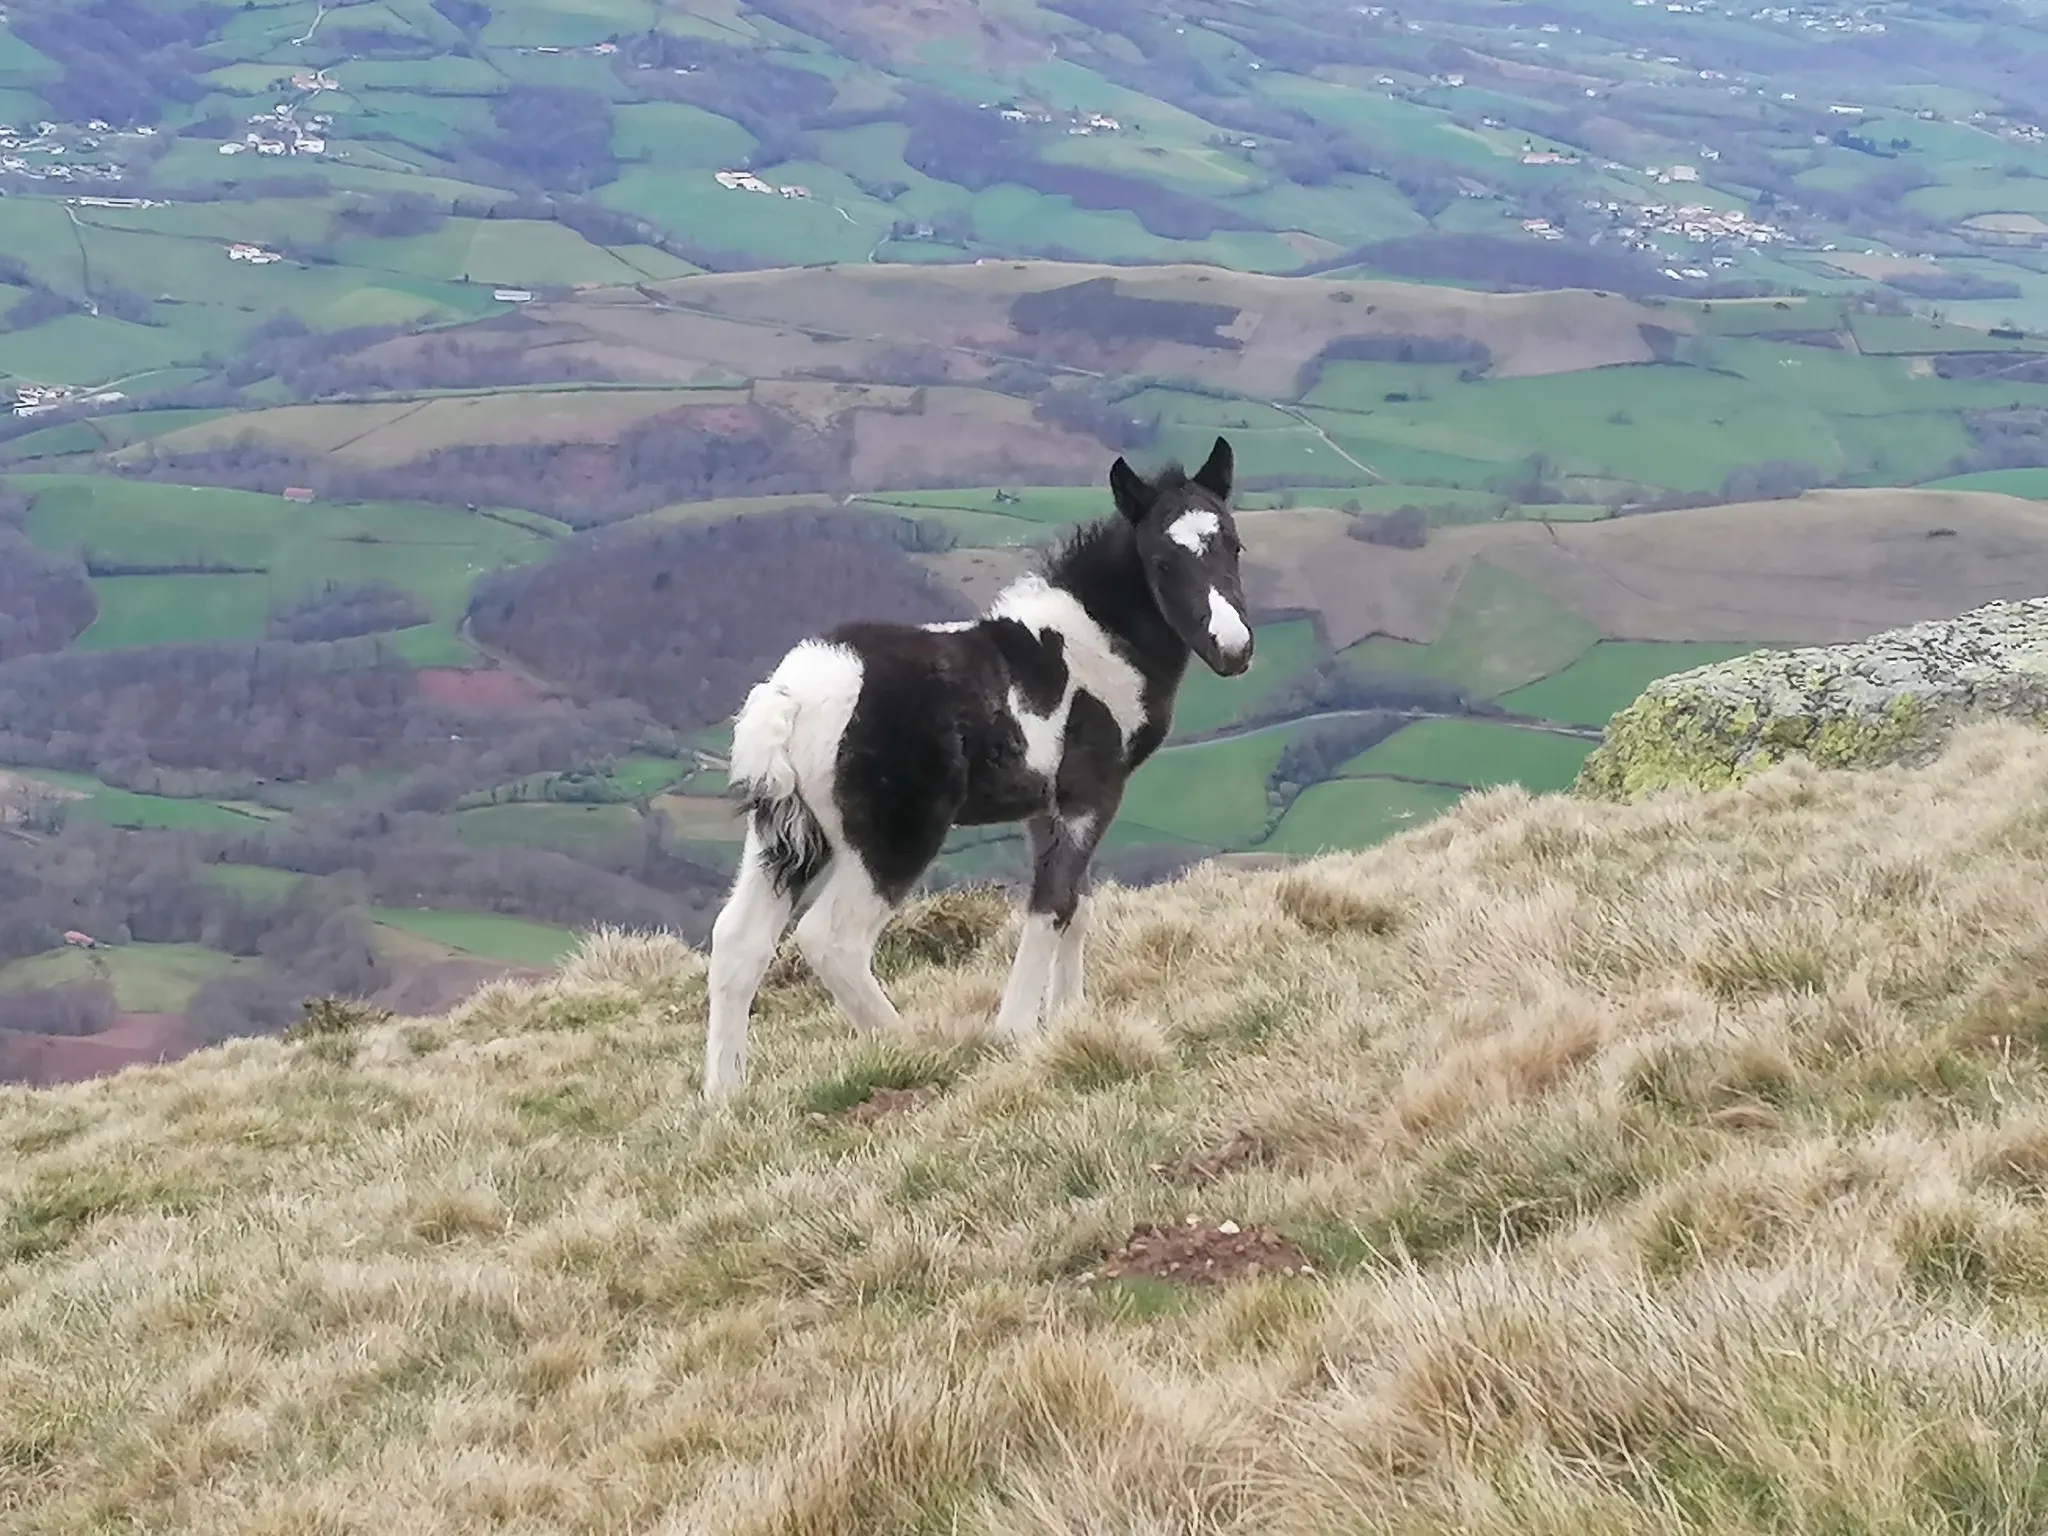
{"x":884,"y":1102}
{"x":1198,"y":1252}
{"x":480,"y":690}
{"x":131,"y":1040}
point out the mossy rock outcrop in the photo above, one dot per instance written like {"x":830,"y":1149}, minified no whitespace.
{"x":1893,"y":698}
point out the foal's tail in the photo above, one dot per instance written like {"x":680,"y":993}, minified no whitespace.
{"x":793,"y":842}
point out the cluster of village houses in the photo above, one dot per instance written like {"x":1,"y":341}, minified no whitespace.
{"x":279,"y":132}
{"x":747,"y":181}
{"x":53,"y":143}
{"x":1638,"y":227}
{"x":1080,"y":124}
{"x":39,"y":399}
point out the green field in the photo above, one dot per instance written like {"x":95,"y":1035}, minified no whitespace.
{"x":1475,"y":754}
{"x":1282,"y":654}
{"x":256,"y":879}
{"x":146,"y":978}
{"x":487,"y":935}
{"x":127,"y":808}
{"x":1611,"y":676}
{"x":434,"y":553}
{"x":1501,"y":633}
{"x":1210,"y":793}
{"x":1356,"y":813}
{"x":2030,"y":483}
{"x":601,"y":834}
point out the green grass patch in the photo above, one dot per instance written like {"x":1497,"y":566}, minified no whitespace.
{"x":1356,"y":813}
{"x":128,"y":808}
{"x":435,"y":553}
{"x":1611,"y":676}
{"x":146,"y":978}
{"x":1501,"y":633}
{"x":599,"y":834}
{"x":496,"y":251}
{"x":1212,"y":793}
{"x":1752,"y":317}
{"x":1281,"y":655}
{"x":1912,"y":335}
{"x":487,"y":935}
{"x":1476,"y":754}
{"x":256,"y":880}
{"x":2030,"y":483}
{"x":149,"y":610}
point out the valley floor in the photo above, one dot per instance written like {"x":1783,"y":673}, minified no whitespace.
{"x":1675,"y":1167}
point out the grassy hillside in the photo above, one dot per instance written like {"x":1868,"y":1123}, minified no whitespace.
{"x":1593,"y":1184}
{"x":466,"y":271}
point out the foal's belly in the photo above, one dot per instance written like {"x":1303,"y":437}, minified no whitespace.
{"x":997,"y":796}
{"x":1001,"y":785}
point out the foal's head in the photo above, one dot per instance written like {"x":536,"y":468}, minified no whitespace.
{"x":1189,"y":545}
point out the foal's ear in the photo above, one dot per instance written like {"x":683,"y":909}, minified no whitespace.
{"x":1133,"y":495}
{"x":1215,"y":476}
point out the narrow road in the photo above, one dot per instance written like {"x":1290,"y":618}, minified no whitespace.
{"x":84,"y":259}
{"x":1317,"y":428}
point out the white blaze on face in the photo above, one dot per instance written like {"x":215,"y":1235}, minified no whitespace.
{"x":1192,"y":531}
{"x":1227,"y":626}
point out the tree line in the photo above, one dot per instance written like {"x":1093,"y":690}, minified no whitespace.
{"x":683,"y":619}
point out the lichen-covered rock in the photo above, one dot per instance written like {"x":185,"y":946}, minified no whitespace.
{"x":1891,"y":698}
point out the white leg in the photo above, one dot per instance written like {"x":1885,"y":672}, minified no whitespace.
{"x":1065,"y":989}
{"x":1024,"y":997}
{"x":837,"y":937}
{"x":743,"y":944}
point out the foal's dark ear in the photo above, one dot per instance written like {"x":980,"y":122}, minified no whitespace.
{"x":1215,"y":476}
{"x":1133,"y":495}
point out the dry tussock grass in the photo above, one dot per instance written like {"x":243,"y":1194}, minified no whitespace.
{"x":1675,"y":1167}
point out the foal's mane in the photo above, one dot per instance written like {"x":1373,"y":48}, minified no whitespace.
{"x":1100,"y":548}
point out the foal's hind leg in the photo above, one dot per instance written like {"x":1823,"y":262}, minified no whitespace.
{"x":837,"y":936}
{"x":743,"y":941}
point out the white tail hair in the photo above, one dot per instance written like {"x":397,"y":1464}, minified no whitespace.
{"x":760,"y":763}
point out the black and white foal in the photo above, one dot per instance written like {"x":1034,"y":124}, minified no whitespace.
{"x":866,"y":746}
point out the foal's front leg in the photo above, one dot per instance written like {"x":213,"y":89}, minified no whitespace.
{"x":1046,"y":975}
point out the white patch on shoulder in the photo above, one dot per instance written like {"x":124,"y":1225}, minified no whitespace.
{"x":1092,"y":664}
{"x":1192,"y":531}
{"x":785,"y":739}
{"x":1226,"y":625}
{"x":950,"y":626}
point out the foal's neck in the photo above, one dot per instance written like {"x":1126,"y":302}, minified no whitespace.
{"x":1102,"y":568}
